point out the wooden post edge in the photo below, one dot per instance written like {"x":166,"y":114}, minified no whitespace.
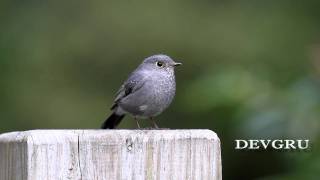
{"x":110,"y":154}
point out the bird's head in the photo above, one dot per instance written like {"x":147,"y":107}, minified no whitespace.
{"x":160,"y":62}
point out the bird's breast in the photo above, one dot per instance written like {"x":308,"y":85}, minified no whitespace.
{"x":162,"y":91}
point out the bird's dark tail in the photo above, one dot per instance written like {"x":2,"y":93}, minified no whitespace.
{"x":112,"y":122}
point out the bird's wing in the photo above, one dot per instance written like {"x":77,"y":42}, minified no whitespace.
{"x":131,"y":85}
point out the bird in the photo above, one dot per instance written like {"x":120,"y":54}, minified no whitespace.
{"x":146,"y":93}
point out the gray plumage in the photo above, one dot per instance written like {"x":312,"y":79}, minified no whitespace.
{"x":147,"y":92}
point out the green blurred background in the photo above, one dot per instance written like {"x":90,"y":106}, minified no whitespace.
{"x":251,"y":70}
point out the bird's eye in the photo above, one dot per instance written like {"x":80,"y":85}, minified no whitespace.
{"x":160,"y":64}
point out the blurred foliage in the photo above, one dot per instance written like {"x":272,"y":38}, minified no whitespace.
{"x":251,"y":70}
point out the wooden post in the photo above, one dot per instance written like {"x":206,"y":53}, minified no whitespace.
{"x":110,"y":154}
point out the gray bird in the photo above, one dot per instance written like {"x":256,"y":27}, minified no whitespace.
{"x":147,"y":92}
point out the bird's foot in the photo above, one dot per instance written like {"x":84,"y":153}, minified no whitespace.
{"x":154,"y":123}
{"x":137,"y":121}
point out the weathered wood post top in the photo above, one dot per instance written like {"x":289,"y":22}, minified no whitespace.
{"x":110,"y":154}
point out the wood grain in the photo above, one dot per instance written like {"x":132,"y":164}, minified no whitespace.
{"x":110,"y":154}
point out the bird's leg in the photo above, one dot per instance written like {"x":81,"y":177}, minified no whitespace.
{"x":137,"y":121}
{"x":154,"y":123}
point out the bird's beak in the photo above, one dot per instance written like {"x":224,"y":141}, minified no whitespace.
{"x":177,"y":64}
